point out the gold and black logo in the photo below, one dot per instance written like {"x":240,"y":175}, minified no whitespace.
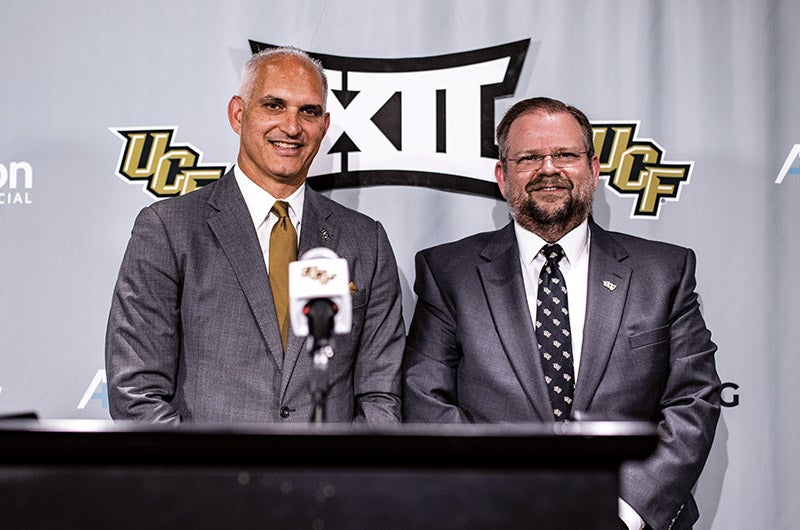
{"x":317,"y":274}
{"x":149,"y":156}
{"x":632,"y":166}
{"x":637,"y":167}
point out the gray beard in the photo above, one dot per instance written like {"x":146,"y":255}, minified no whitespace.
{"x":572,"y":210}
{"x":551,"y":226}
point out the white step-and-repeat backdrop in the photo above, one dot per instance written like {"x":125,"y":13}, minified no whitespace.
{"x":108,"y":106}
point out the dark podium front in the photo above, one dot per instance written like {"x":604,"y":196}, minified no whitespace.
{"x":87,"y":474}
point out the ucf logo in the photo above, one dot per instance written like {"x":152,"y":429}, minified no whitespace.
{"x":424,"y":121}
{"x":148,"y":155}
{"x":320,"y":275}
{"x":635,"y":167}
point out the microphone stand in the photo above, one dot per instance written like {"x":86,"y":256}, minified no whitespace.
{"x":320,"y":314}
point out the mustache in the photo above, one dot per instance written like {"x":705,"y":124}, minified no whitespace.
{"x":548,"y":181}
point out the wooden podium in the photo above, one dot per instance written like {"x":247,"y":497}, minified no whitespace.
{"x":98,"y":474}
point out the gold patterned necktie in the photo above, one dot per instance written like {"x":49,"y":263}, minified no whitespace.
{"x":282,"y":251}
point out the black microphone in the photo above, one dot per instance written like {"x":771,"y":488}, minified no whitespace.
{"x":320,"y":303}
{"x":320,"y":313}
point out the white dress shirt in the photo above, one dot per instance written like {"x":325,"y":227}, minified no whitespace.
{"x":575,"y":269}
{"x":259,"y":204}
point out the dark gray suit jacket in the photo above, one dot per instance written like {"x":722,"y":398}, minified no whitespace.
{"x":192,"y":334}
{"x":471,"y":354}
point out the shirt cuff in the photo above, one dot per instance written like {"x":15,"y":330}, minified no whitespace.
{"x":629,"y":516}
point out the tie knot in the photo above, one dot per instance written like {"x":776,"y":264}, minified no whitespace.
{"x":281,"y":209}
{"x":553,"y":253}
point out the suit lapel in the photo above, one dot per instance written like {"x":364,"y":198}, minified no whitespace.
{"x":233,"y":227}
{"x":315,"y":231}
{"x":505,"y":294}
{"x":607,"y":290}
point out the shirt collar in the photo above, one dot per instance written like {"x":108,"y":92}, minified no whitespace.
{"x":259,"y":201}
{"x":575,"y":243}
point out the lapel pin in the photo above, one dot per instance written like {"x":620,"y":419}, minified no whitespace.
{"x":608,"y":285}
{"x":324,"y":234}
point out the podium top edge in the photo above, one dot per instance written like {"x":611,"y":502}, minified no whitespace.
{"x":497,"y":446}
{"x":505,"y":430}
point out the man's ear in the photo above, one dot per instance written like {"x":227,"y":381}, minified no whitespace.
{"x":235,"y":108}
{"x":595,"y":166}
{"x":500,"y":177}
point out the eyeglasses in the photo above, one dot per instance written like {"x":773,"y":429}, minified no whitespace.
{"x":533,"y":162}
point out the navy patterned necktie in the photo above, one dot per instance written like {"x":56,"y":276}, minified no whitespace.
{"x":553,"y":333}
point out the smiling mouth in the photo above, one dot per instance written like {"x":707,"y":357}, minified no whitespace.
{"x":285,"y":145}
{"x":547,"y":187}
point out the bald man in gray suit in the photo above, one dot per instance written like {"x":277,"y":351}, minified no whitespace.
{"x":194,"y":334}
{"x":495,"y":338}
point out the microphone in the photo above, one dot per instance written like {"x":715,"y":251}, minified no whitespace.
{"x":319,"y":295}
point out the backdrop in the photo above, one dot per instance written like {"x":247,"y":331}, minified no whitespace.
{"x":109,"y":106}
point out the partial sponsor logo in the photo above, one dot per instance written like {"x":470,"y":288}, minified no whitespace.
{"x":728,"y":395}
{"x":423,"y":121}
{"x":97,"y":391}
{"x":791,"y":166}
{"x":16,"y":183}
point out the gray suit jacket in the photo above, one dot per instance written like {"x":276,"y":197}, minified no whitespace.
{"x":471,"y":354}
{"x":192,"y":334}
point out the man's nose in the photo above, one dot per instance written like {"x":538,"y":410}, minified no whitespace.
{"x":290,"y":123}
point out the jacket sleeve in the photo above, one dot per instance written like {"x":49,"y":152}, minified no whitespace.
{"x":432,"y":355}
{"x":376,"y":376}
{"x":143,"y":333}
{"x":659,"y":488}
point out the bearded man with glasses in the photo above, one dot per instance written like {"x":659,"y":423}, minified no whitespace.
{"x":552,"y":318}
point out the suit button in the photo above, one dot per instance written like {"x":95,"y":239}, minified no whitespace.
{"x":284,"y":412}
